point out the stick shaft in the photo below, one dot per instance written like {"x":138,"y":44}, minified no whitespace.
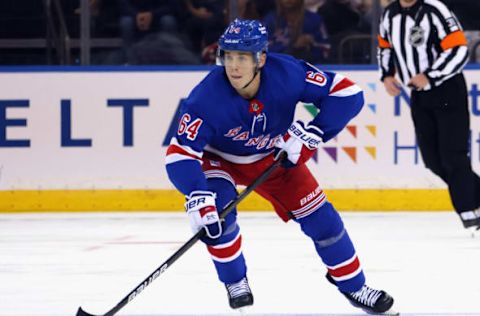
{"x":162,"y":268}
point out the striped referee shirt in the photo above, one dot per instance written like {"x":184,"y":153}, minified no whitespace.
{"x":424,"y":38}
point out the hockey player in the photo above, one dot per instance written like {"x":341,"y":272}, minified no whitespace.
{"x":233,"y":125}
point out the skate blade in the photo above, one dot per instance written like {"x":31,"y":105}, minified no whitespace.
{"x":474,"y":231}
{"x":243,"y":310}
{"x":390,"y":312}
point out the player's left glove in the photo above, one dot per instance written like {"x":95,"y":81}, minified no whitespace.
{"x":300,"y":143}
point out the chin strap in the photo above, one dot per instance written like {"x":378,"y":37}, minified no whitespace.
{"x":251,"y":80}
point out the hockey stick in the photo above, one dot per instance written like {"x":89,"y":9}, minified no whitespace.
{"x":226,"y":210}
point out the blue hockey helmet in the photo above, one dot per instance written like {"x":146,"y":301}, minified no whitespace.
{"x":245,"y":36}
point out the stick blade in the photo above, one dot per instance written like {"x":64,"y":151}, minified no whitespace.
{"x":81,"y":312}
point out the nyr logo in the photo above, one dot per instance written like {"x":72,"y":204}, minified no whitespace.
{"x":261,"y":141}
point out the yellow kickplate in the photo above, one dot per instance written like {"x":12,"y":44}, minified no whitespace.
{"x":171,"y":200}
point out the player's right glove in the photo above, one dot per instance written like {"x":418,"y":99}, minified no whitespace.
{"x":300,"y":143}
{"x":202,"y":213}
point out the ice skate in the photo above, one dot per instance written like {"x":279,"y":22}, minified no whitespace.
{"x":239,"y":295}
{"x":371,"y":301}
{"x":471,"y":219}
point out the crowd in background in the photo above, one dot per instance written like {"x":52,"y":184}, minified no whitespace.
{"x":186,"y":31}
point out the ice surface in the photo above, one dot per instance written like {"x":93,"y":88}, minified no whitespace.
{"x":50,"y":264}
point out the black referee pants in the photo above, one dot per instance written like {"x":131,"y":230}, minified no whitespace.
{"x":442,"y":126}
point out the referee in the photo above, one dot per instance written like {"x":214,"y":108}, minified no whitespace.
{"x":422,"y":42}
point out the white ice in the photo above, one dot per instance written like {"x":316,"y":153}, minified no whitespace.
{"x":50,"y":264}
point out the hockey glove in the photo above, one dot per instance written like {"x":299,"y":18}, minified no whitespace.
{"x":300,"y":143}
{"x":202,"y":213}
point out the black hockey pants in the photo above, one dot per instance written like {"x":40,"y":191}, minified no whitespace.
{"x":442,"y":126}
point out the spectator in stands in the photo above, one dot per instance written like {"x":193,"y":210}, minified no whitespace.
{"x":247,"y":10}
{"x":204,"y":22}
{"x":341,"y":20}
{"x":22,"y":20}
{"x":144,"y":16}
{"x":364,"y":8}
{"x":466,"y":11}
{"x":104,"y":17}
{"x":314,"y":5}
{"x":297,"y":32}
{"x":340,"y":16}
{"x":162,"y":48}
{"x":139,"y":18}
{"x":384,"y":3}
{"x":262,"y":7}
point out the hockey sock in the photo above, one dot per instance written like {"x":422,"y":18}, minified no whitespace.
{"x":333,"y":245}
{"x":226,"y":251}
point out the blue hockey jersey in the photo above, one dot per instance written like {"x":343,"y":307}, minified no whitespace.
{"x":215,"y":118}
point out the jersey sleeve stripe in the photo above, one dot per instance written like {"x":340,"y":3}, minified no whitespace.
{"x":343,"y":87}
{"x":441,"y":28}
{"x":449,"y":63}
{"x":458,"y":59}
{"x":177,"y":153}
{"x":383,"y":43}
{"x":453,"y":40}
{"x":172,"y":158}
{"x":440,"y":7}
{"x":339,"y":83}
{"x":188,"y":149}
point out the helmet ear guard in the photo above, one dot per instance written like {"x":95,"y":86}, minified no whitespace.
{"x":245,"y":36}
{"x":220,"y":59}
